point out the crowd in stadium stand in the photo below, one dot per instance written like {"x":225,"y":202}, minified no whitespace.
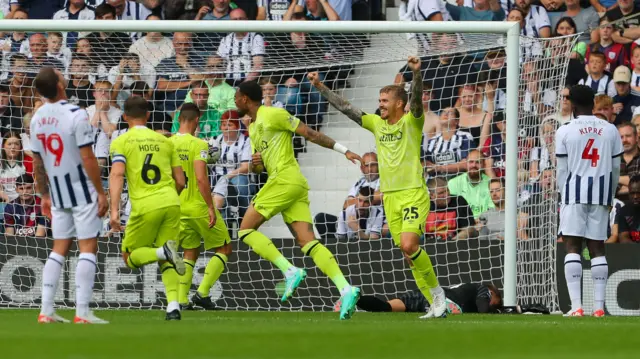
{"x":463,"y":150}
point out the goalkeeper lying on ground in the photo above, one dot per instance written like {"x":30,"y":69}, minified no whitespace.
{"x":462,"y":298}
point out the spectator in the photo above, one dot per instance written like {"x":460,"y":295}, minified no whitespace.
{"x":10,"y":116}
{"x":142,"y":89}
{"x":209,"y":120}
{"x":17,"y":41}
{"x":38,"y":9}
{"x":636,"y":121}
{"x":99,"y":69}
{"x":603,"y":106}
{"x":295,"y":91}
{"x":450,"y":217}
{"x":23,"y":216}
{"x":565,"y":107}
{"x":494,"y":149}
{"x":565,"y":26}
{"x":445,"y":154}
{"x":314,"y":11}
{"x":153,"y":47}
{"x":536,"y":20}
{"x":544,"y":156}
{"x":493,"y":94}
{"x":80,"y":90}
{"x":473,"y":185}
{"x":269,"y":91}
{"x":431,"y":119}
{"x":585,"y":19}
{"x":176,"y":73}
{"x":56,"y":50}
{"x":221,"y":11}
{"x":530,"y":47}
{"x":75,"y":10}
{"x":635,"y":65}
{"x":102,"y":115}
{"x":361,"y":220}
{"x":482,"y":10}
{"x":112,"y":45}
{"x":492,"y":222}
{"x":446,"y":72}
{"x":599,"y":81}
{"x":38,"y":57}
{"x":243,"y":51}
{"x":275,"y":10}
{"x":326,"y":223}
{"x":628,"y":217}
{"x":624,"y":102}
{"x":126,"y":73}
{"x":630,"y":165}
{"x":615,"y":54}
{"x":232,"y":168}
{"x":613,"y":226}
{"x":221,"y":94}
{"x":11,"y":166}
{"x":425,"y":10}
{"x":20,"y":84}
{"x":629,"y":26}
{"x":472,"y":118}
{"x":535,"y":215}
{"x":130,"y":10}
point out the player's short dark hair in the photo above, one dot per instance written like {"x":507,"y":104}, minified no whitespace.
{"x":252,"y":90}
{"x":25,"y":178}
{"x":366,"y":191}
{"x":630,"y":125}
{"x":397,"y":91}
{"x":581,"y":96}
{"x":46,"y":83}
{"x":136,"y":107}
{"x":104,"y":9}
{"x":189,"y":112}
{"x":634,"y":180}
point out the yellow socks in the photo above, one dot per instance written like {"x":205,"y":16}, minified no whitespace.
{"x":422,"y":284}
{"x":171,"y":281}
{"x":422,"y":267}
{"x":142,"y":256}
{"x":326,"y":262}
{"x":185,"y":282}
{"x":263,"y":247}
{"x":212,"y":272}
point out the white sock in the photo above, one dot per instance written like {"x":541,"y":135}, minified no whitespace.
{"x":85,"y":276}
{"x":599,"y":274}
{"x":160,"y":254}
{"x":437,"y":292}
{"x":50,"y":279}
{"x":173,"y":306}
{"x":345,"y":290}
{"x":291,"y":271}
{"x":573,"y":276}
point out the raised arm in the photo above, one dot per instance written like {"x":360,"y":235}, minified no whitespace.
{"x":325,"y":141}
{"x":354,"y":113}
{"x":415,"y":98}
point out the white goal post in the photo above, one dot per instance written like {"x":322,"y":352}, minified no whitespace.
{"x":510,"y":30}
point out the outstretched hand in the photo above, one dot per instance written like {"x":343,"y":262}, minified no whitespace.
{"x":414,"y":63}
{"x":353,"y":157}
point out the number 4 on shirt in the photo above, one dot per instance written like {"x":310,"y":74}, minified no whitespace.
{"x":590,"y":153}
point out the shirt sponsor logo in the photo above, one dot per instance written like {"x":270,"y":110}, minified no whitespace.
{"x":390,"y":137}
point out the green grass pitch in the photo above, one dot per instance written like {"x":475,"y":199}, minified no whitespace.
{"x":304,"y":335}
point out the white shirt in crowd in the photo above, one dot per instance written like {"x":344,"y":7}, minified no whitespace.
{"x":239,"y":53}
{"x":8,"y":178}
{"x":231,"y":155}
{"x":589,"y":146}
{"x":604,"y":86}
{"x":541,"y":154}
{"x":275,"y":9}
{"x":84,"y":14}
{"x":355,"y":189}
{"x":147,"y":74}
{"x":374,"y":222}
{"x":151,"y":53}
{"x":62,"y":125}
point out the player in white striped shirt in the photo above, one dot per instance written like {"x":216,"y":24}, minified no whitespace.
{"x":67,"y":176}
{"x":588,"y":153}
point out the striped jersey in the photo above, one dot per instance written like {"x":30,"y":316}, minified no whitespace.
{"x":58,"y":131}
{"x":589,"y":144}
{"x":536,"y":20}
{"x":231,"y":155}
{"x":275,"y":9}
{"x":604,"y":85}
{"x":440,"y":151}
{"x":239,"y":53}
{"x":362,"y":182}
{"x":635,"y":79}
{"x":371,"y":224}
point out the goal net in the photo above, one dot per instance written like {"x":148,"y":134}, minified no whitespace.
{"x":463,"y":149}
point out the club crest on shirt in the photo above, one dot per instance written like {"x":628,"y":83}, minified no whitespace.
{"x":203,"y":154}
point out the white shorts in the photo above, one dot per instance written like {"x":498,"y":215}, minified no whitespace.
{"x":221,"y":187}
{"x":590,"y":221}
{"x":80,"y":222}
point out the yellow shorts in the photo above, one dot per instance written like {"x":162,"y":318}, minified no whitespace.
{"x":152,"y":229}
{"x":291,"y":200}
{"x":406,"y":211}
{"x":194,"y":230}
